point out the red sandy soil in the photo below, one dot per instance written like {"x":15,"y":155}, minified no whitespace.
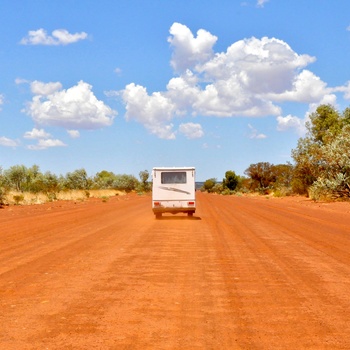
{"x":243,"y":273}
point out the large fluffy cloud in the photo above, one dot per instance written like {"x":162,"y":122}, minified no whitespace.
{"x":188,"y":50}
{"x":252,"y":78}
{"x":153,"y":111}
{"x":58,"y":37}
{"x":74,"y":108}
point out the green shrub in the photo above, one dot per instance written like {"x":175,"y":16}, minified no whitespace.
{"x":18,"y":198}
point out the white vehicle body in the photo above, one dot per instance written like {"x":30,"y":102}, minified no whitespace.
{"x":173,"y":190}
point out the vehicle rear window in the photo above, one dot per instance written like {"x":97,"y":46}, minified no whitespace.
{"x":174,"y":177}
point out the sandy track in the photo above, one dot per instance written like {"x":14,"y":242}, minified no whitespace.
{"x":244,"y":273}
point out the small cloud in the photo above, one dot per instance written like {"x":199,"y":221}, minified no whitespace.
{"x":191,"y":130}
{"x":118,"y":71}
{"x":74,"y":134}
{"x":348,"y":28}
{"x":254,"y":134}
{"x":261,"y":3}
{"x":291,"y":122}
{"x":20,"y":81}
{"x":205,"y":145}
{"x":112,"y":93}
{"x":345,"y":89}
{"x":36,"y":134}
{"x":1,"y":100}
{"x":6,"y":142}
{"x":57,"y":37}
{"x":44,"y":144}
{"x":44,"y":89}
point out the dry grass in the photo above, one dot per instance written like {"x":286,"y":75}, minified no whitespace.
{"x":27,"y":198}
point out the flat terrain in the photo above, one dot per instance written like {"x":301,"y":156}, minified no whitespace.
{"x":243,"y":273}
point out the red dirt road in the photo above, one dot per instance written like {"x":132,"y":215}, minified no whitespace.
{"x":243,"y":273}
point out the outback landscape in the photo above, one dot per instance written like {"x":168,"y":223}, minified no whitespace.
{"x":245,"y":272}
{"x":174,"y":175}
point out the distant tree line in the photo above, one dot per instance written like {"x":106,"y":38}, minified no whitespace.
{"x":321,"y":166}
{"x":23,"y":179}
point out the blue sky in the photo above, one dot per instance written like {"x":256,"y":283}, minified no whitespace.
{"x":128,"y":85}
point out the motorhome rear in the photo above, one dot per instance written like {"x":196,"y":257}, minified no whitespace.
{"x":173,"y":190}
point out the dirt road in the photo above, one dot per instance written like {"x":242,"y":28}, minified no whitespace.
{"x":243,"y":273}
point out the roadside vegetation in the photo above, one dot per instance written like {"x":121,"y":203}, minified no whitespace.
{"x":22,"y":185}
{"x":321,"y":168}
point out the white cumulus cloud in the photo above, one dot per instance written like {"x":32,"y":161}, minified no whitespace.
{"x":37,"y":134}
{"x":46,"y":143}
{"x":254,"y":134}
{"x":188,"y":50}
{"x":191,"y":130}
{"x":293,"y":123}
{"x":57,"y":37}
{"x":5,"y":141}
{"x":40,"y":88}
{"x":261,"y":3}
{"x":74,"y":134}
{"x":252,"y":78}
{"x":153,"y":111}
{"x":74,"y":108}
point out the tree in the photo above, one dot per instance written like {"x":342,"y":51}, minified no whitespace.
{"x":125,"y":182}
{"x":77,"y":180}
{"x":144,"y":175}
{"x":326,"y":120}
{"x":4,"y":187}
{"x":231,"y":180}
{"x":104,"y":179}
{"x":284,"y":174}
{"x":261,"y":174}
{"x":209,"y":184}
{"x":51,"y":184}
{"x":334,"y":180}
{"x":16,"y":176}
{"x":314,"y":155}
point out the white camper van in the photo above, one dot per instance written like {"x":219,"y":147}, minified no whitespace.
{"x":173,"y":191}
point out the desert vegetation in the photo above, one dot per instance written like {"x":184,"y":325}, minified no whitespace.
{"x":22,"y":185}
{"x":321,"y":168}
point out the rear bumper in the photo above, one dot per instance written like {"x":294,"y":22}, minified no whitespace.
{"x":173,"y":210}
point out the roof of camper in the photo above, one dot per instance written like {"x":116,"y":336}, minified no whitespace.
{"x":174,"y":168}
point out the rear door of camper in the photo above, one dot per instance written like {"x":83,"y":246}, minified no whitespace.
{"x":174,"y":187}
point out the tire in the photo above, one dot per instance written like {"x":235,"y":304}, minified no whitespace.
{"x":158,"y":215}
{"x":190,"y":213}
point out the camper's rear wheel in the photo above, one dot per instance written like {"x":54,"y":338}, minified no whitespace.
{"x":158,"y":215}
{"x":190,"y":213}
